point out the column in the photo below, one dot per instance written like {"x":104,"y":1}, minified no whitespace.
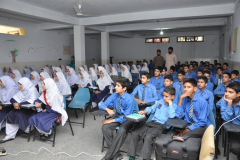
{"x":104,"y":48}
{"x":79,"y":46}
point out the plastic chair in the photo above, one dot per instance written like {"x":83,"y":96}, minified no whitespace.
{"x":80,"y":101}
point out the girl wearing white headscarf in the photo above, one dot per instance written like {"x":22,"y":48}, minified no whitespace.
{"x":16,"y":75}
{"x":92,"y":74}
{"x":113,"y":71}
{"x":43,"y":75}
{"x":8,"y":90}
{"x":66,"y":72}
{"x":26,"y":73}
{"x":126,"y":73}
{"x":84,"y":80}
{"x":57,"y":69}
{"x":33,"y":68}
{"x":135,"y":75}
{"x":80,"y":70}
{"x":72,"y":77}
{"x":138,"y":68}
{"x":107,"y":68}
{"x":62,"y":84}
{"x":85,"y":68}
{"x":53,"y":100}
{"x":18,"y":118}
{"x":35,"y":79}
{"x":103,"y":84}
{"x":119,"y":70}
{"x":45,"y":69}
{"x":10,"y":71}
{"x":5,"y":71}
{"x":145,"y":68}
{"x":62,"y":68}
{"x":95,"y":67}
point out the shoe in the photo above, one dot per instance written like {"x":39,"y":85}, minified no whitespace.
{"x":94,"y":109}
{"x":118,"y":156}
{"x":3,"y":141}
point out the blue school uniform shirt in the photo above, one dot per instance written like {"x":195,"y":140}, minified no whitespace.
{"x":227,"y":71}
{"x":236,"y":80}
{"x":150,"y":95}
{"x":210,"y":86}
{"x":158,"y":83}
{"x":160,"y":95}
{"x":200,"y":112}
{"x":162,"y":112}
{"x":213,"y":71}
{"x":229,"y":113}
{"x":208,"y":96}
{"x":177,"y":86}
{"x":212,"y":78}
{"x":127,"y":105}
{"x":220,"y":90}
{"x":193,"y":73}
{"x":189,"y":75}
{"x":151,"y":66}
{"x":216,"y":78}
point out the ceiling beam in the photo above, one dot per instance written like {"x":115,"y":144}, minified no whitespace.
{"x":125,"y":35}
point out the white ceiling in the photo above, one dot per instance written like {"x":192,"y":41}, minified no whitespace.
{"x":109,"y":7}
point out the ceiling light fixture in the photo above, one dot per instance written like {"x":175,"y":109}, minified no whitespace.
{"x":161,"y":32}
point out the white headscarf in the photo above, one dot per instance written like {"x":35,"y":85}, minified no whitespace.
{"x":105,"y":81}
{"x":107,"y":68}
{"x":37,"y":78}
{"x":85,"y":68}
{"x":138,"y":68}
{"x":118,"y":68}
{"x":54,"y":98}
{"x":5,"y":73}
{"x":73,"y":78}
{"x":29,"y":92}
{"x":62,"y":84}
{"x":134,"y":69}
{"x":45,"y":75}
{"x":18,"y":76}
{"x":57,"y":69}
{"x":34,"y":68}
{"x":63,"y":68}
{"x":81,"y":69}
{"x":145,"y":68}
{"x":27,"y":73}
{"x":12,"y":68}
{"x":126,"y":73}
{"x":114,"y":72}
{"x":9,"y":90}
{"x":96,"y":67}
{"x":93,"y":75}
{"x":85,"y":81}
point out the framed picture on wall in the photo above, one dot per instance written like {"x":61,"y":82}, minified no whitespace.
{"x":149,"y":40}
{"x":181,"y":39}
{"x":157,"y":40}
{"x":166,"y":40}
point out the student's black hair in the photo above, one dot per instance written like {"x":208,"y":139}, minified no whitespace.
{"x":200,"y":71}
{"x":227,"y":73}
{"x":171,"y":48}
{"x":165,"y":68}
{"x":147,"y":75}
{"x":186,"y":66}
{"x":195,"y":64}
{"x":219,"y":64}
{"x":191,"y":64}
{"x":124,"y":82}
{"x":190,"y":80}
{"x":236,"y":72}
{"x":225,"y":64}
{"x":159,"y":68}
{"x":210,"y":64}
{"x":235,"y":86}
{"x":159,"y":50}
{"x":208,"y":72}
{"x":220,"y":68}
{"x":169,"y":77}
{"x":204,"y":78}
{"x":181,"y":72}
{"x":173,"y":68}
{"x":170,"y":90}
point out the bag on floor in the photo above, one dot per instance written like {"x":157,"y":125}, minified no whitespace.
{"x":169,"y":147}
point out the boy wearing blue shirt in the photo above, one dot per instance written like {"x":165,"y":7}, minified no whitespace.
{"x":218,"y":76}
{"x":192,"y":72}
{"x":164,"y":72}
{"x":168,"y":81}
{"x":221,"y":88}
{"x":210,"y":85}
{"x":173,"y":73}
{"x":234,"y":76}
{"x":157,"y":80}
{"x":179,"y":85}
{"x":205,"y":93}
{"x":230,"y":109}
{"x":194,"y":109}
{"x":187,"y":73}
{"x":162,"y":111}
{"x":147,"y":92}
{"x":199,"y":73}
{"x":225,"y":68}
{"x":124,"y":106}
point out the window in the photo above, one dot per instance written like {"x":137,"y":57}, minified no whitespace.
{"x":191,"y":39}
{"x":12,"y":30}
{"x":157,"y":40}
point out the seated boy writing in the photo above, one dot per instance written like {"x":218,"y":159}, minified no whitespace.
{"x":230,"y":109}
{"x":157,"y":80}
{"x":124,"y":105}
{"x":168,"y":81}
{"x":147,"y":92}
{"x":162,"y":110}
{"x":194,"y":109}
{"x":221,"y":88}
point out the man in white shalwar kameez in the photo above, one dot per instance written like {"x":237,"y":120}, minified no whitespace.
{"x":170,"y":59}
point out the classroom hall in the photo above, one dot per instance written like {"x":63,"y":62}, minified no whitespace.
{"x":62,"y":62}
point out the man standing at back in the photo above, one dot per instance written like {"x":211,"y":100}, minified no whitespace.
{"x":170,"y":58}
{"x":158,"y":60}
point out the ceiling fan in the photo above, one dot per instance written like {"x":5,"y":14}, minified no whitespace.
{"x":79,"y":12}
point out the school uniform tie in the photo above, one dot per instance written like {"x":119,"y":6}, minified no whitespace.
{"x":180,"y":89}
{"x":143,"y":94}
{"x":191,"y":113}
{"x":201,"y":94}
{"x":119,"y":105}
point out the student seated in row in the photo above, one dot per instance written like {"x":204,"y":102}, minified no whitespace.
{"x":225,"y":68}
{"x":192,"y":72}
{"x":84,"y":80}
{"x":221,"y":88}
{"x":210,"y":85}
{"x":203,"y":92}
{"x":173,"y":73}
{"x":230,"y":109}
{"x":147,"y":92}
{"x":164,"y":72}
{"x":199,"y":73}
{"x":162,"y":111}
{"x":194,"y":109}
{"x":218,"y":76}
{"x":179,"y":84}
{"x":187,"y":72}
{"x":168,"y":81}
{"x":157,"y":80}
{"x":124,"y":105}
{"x":62,"y":84}
{"x":234,"y":76}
